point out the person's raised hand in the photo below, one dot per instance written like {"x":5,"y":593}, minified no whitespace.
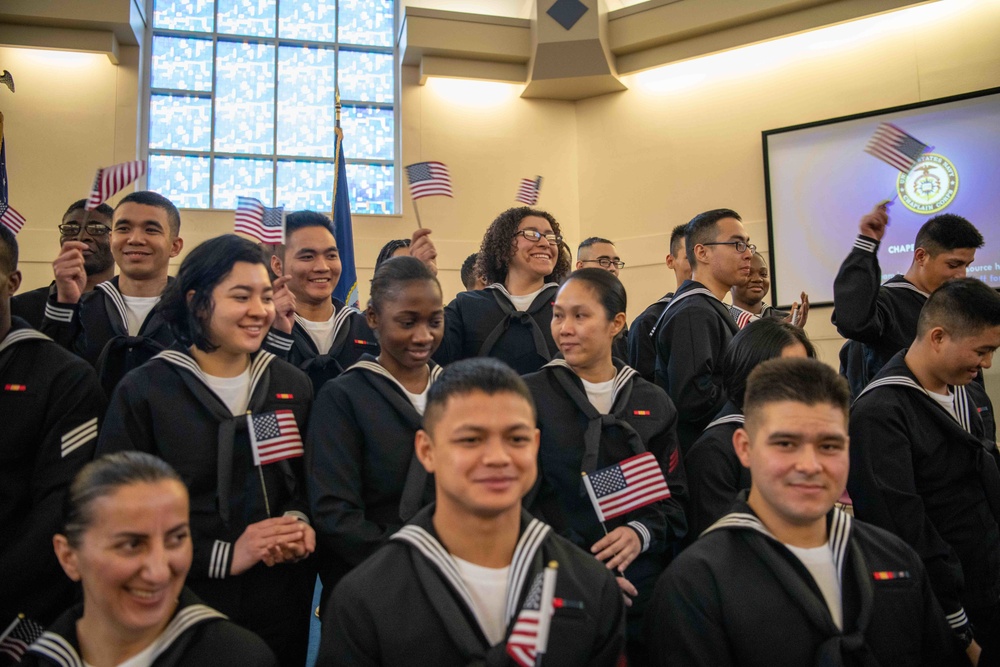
{"x":874,"y":223}
{"x":284,"y":305}
{"x":422,"y":247}
{"x":70,"y":274}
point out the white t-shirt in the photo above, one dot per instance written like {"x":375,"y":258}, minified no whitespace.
{"x":819,"y":561}
{"x":320,"y":332}
{"x":234,"y":391}
{"x":601,"y":394}
{"x":488,"y":587}
{"x":419,"y":400}
{"x":523,"y":302}
{"x":143,"y":658}
{"x":946,"y":401}
{"x":136,"y":310}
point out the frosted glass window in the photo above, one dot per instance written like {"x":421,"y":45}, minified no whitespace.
{"x":247,"y":17}
{"x":190,"y":15}
{"x":182,"y":178}
{"x":367,"y":22}
{"x":306,"y":101}
{"x":371,"y":188}
{"x":244,"y":98}
{"x":242,"y":177}
{"x":366,"y":77}
{"x":178,"y":122}
{"x":182,"y":63}
{"x":313,"y":20}
{"x":306,"y":185}
{"x":368,"y":132}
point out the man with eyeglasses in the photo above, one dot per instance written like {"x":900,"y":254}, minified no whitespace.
{"x":91,"y":228}
{"x":597,"y":252}
{"x":696,"y":327}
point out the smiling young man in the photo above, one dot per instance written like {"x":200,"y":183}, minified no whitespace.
{"x":785,"y":578}
{"x":467,"y":568}
{"x":92,"y":228}
{"x":313,"y":330}
{"x":748,"y":298}
{"x":880,"y":319}
{"x":116,"y":327}
{"x":695,"y":328}
{"x":923,"y":466}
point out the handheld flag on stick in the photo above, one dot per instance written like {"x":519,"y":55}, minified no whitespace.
{"x":427,"y":179}
{"x":274,"y":437}
{"x":10,"y":218}
{"x":527,"y":192}
{"x":893,"y":146}
{"x":626,"y":486}
{"x":18,"y":636}
{"x":267,"y":225}
{"x":529,"y":639}
{"x":110,"y":180}
{"x":343,"y":229}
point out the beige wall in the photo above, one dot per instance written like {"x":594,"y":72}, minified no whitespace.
{"x":629,"y":165}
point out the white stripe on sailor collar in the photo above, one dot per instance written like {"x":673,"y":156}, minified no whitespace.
{"x":258,"y":365}
{"x":728,"y":419}
{"x":621,"y":378}
{"x":339,"y":318}
{"x":961,"y":397}
{"x":117,"y":298}
{"x":378,"y":369}
{"x":903,"y":284}
{"x":21,"y":335}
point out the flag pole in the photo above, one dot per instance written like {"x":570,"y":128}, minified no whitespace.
{"x":10,"y":628}
{"x":417,"y":211}
{"x":339,"y":133}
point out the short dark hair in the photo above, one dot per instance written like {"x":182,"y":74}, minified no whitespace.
{"x":293,"y":223}
{"x":589,"y":241}
{"x":677,"y":235}
{"x":103,"y":477}
{"x":703,"y":227}
{"x":8,"y":250}
{"x":499,"y":244}
{"x":468,"y":272}
{"x":610,"y":291}
{"x":947,"y":232}
{"x":754,"y":344}
{"x":395,"y":272}
{"x":964,"y":306}
{"x":389,"y":248}
{"x":797,"y":380}
{"x":203,"y":268}
{"x":150,"y":198}
{"x":103,"y":209}
{"x":486,"y":374}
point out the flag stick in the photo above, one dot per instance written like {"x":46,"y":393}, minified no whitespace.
{"x":10,"y":628}
{"x":339,"y":133}
{"x":545,"y":610}
{"x":600,"y":517}
{"x":417,"y":211}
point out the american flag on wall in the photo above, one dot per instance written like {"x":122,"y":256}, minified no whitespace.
{"x":890,"y":144}
{"x":628,"y":485}
{"x":274,"y":437}
{"x":110,"y":180}
{"x":427,"y":179}
{"x":267,"y":225}
{"x":527,"y":192}
{"x":10,"y":218}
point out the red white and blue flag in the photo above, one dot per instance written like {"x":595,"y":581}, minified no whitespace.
{"x":274,"y":436}
{"x":10,"y":218}
{"x":628,"y":485}
{"x":427,"y":179}
{"x":267,"y":225}
{"x":890,"y":144}
{"x":527,"y":192}
{"x":110,"y":180}
{"x":18,"y":636}
{"x":529,"y":637}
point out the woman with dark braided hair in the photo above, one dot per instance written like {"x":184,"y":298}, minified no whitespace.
{"x":522,"y":262}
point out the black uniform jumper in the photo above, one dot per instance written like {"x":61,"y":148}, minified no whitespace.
{"x":429,"y":618}
{"x":715,"y":474}
{"x":691,"y":338}
{"x":166,"y":408}
{"x":352,"y":338}
{"x":641,"y":345}
{"x":50,"y":406}
{"x":484,"y":323}
{"x":365,"y":481}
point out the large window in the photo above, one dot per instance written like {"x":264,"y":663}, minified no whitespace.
{"x":242,"y":97}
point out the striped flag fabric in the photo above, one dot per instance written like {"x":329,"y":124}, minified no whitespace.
{"x":427,"y":179}
{"x":527,"y":192}
{"x":18,"y":636}
{"x":890,"y":144}
{"x":626,"y":486}
{"x":274,"y":437}
{"x":10,"y":218}
{"x":267,"y":225}
{"x":110,"y":180}
{"x":530,"y":635}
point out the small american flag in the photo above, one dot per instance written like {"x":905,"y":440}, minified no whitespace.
{"x":267,"y":225}
{"x":10,"y":218}
{"x":428,"y":178}
{"x":110,"y":180}
{"x":530,"y":635}
{"x":890,"y":144}
{"x":274,"y":437}
{"x":19,"y":635}
{"x":527,"y":192}
{"x":626,"y":486}
{"x":742,"y":317}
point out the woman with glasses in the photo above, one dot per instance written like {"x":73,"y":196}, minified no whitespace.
{"x":127,"y":541}
{"x":594,"y":412}
{"x":522,"y":259}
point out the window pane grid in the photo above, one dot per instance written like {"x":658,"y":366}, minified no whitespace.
{"x":274,"y":67}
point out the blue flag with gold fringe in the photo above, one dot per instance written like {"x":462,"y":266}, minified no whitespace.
{"x":343,"y":232}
